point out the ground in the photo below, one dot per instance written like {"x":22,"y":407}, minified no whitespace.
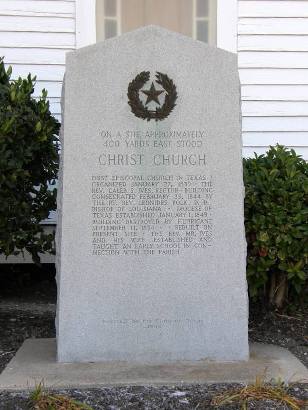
{"x":27,"y":309}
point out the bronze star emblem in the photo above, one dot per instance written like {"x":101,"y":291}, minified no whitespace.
{"x":152,"y":94}
{"x":138,"y":105}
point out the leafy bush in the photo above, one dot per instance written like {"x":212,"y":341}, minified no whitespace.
{"x":276,"y":224}
{"x":28,"y":165}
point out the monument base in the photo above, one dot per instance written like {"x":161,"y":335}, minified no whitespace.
{"x":35,"y":361}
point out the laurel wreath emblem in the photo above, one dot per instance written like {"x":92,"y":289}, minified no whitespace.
{"x":137,"y":106}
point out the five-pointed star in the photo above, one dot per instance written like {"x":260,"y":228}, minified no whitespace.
{"x":152,"y":94}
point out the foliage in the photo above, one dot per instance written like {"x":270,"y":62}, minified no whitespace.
{"x":28,"y":166}
{"x":260,"y":391}
{"x":42,"y":400}
{"x":276,"y":224}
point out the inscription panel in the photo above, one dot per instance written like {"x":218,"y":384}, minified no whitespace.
{"x":151,"y":214}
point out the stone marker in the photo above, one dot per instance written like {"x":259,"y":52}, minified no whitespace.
{"x":150,"y":245}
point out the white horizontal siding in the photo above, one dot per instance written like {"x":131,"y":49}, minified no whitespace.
{"x":272,"y":43}
{"x":273,"y":63}
{"x":42,"y":72}
{"x":35,"y":36}
{"x":275,"y":108}
{"x":35,"y":56}
{"x":297,"y":139}
{"x":38,"y":8}
{"x":275,"y":124}
{"x":271,"y":92}
{"x":281,"y":76}
{"x":261,"y":59}
{"x":37,"y":39}
{"x":38,"y":23}
{"x":53,"y":87}
{"x":286,"y":8}
{"x":273,"y":25}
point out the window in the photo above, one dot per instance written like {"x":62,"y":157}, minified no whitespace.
{"x":195,"y":18}
{"x":204,"y":24}
{"x":177,"y":15}
{"x":108,"y":17}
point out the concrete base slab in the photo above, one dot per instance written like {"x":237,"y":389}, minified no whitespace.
{"x":35,"y":361}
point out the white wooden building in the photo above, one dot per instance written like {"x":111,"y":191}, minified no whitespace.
{"x":269,"y":36}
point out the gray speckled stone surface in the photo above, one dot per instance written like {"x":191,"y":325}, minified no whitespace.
{"x":152,"y":307}
{"x":36,"y":361}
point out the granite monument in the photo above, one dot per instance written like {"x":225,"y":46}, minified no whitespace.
{"x":151,"y":250}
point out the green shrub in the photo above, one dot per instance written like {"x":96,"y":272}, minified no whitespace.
{"x":276,"y":225}
{"x":28,"y":165}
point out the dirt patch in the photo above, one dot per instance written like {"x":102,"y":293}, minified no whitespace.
{"x":18,"y":324}
{"x":289,"y":331}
